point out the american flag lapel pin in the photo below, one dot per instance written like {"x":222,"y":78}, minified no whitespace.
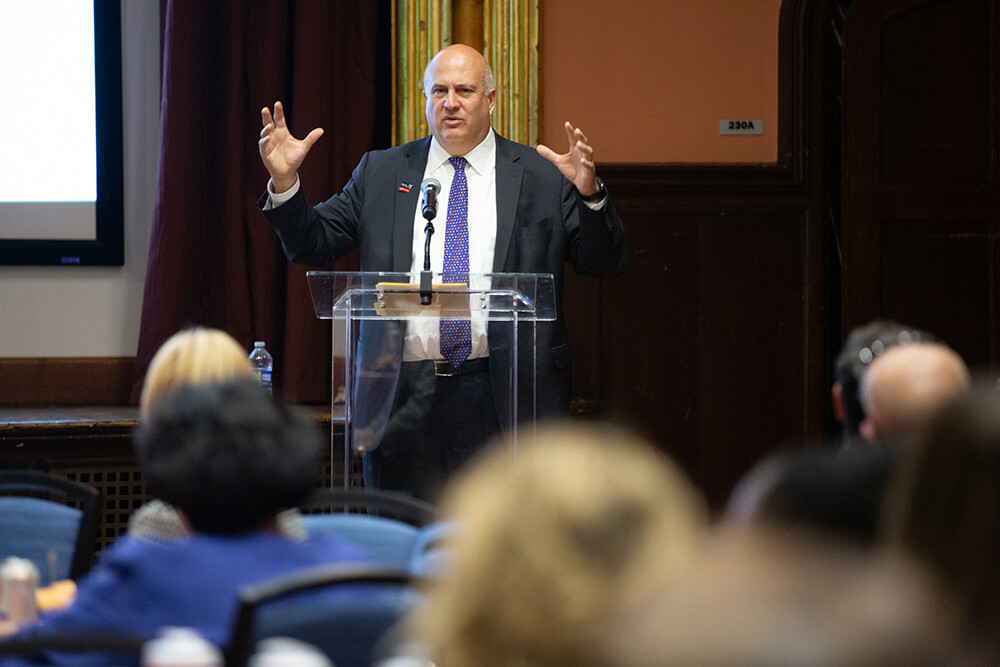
{"x":405,"y":187}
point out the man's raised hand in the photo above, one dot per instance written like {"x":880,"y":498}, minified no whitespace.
{"x":282,"y":153}
{"x":578,"y":164}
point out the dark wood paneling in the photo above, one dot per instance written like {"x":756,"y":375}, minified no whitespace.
{"x":934,"y":92}
{"x":46,"y":438}
{"x":66,"y":381}
{"x":704,"y":343}
{"x":940,"y":273}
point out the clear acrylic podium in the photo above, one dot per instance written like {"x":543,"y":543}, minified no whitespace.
{"x":377,"y":321}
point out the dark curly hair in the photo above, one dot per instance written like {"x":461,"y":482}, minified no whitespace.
{"x":227,"y":455}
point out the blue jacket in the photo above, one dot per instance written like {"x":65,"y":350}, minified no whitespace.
{"x":140,"y":586}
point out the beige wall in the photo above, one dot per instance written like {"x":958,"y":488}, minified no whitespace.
{"x":649,"y":80}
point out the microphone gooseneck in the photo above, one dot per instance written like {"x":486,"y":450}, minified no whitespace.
{"x":429,"y":190}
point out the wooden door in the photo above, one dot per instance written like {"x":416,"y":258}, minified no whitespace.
{"x":920,"y":188}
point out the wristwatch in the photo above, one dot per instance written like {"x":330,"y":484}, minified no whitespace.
{"x":601,"y":193}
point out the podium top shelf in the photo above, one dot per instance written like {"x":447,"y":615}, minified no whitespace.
{"x":384,"y":295}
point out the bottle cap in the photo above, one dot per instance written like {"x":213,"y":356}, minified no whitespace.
{"x":180,"y":647}
{"x":19,"y":568}
{"x":258,"y":343}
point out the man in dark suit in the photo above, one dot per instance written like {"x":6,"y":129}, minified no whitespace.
{"x":528,"y":211}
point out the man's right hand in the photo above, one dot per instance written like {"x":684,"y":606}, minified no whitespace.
{"x":282,"y":153}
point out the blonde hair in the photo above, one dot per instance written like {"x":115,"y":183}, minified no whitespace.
{"x":548,"y":536}
{"x":198,"y":355}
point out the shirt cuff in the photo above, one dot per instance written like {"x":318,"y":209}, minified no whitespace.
{"x":274,"y":200}
{"x":597,"y":205}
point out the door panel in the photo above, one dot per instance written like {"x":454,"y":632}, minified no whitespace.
{"x":920,"y":193}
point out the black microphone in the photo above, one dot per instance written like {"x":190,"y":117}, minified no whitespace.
{"x":430,"y":189}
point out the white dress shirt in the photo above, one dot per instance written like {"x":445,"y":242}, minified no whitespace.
{"x":480,"y":173}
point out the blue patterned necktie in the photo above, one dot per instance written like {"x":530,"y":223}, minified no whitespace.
{"x":456,"y":335}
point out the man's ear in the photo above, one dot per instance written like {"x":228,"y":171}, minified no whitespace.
{"x":867,"y":430}
{"x":837,"y":398}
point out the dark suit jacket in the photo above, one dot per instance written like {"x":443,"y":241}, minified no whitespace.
{"x":541,"y":224}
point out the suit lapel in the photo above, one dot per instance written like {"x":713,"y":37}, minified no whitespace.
{"x":409,"y":170}
{"x":509,"y":174}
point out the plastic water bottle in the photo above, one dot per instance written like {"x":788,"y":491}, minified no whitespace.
{"x":263,"y":364}
{"x":18,"y":583}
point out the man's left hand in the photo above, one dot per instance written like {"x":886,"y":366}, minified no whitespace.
{"x":578,"y":164}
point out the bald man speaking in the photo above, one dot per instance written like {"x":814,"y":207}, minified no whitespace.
{"x":523,"y":210}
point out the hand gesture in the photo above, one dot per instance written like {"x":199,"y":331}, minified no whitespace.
{"x":578,"y":164}
{"x":282,"y":153}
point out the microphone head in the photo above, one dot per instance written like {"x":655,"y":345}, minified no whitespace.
{"x":430,"y":187}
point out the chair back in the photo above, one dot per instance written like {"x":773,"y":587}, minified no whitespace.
{"x":373,"y":502}
{"x":344,"y":610}
{"x":386,"y":542}
{"x":429,"y":557}
{"x":384,"y":524}
{"x":49,"y":520}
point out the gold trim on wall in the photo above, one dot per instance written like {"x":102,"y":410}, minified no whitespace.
{"x":511,"y":38}
{"x":422,"y":27}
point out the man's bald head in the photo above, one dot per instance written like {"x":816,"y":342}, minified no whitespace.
{"x":467,"y":54}
{"x":907,"y":385}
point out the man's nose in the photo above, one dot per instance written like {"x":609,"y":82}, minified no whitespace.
{"x":451,"y":100}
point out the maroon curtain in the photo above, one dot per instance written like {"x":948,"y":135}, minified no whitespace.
{"x":213,"y":259}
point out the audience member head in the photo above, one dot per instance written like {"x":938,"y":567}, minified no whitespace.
{"x":904,"y":388}
{"x":192,"y":356}
{"x":227,"y":455}
{"x":862,"y":346}
{"x":943,"y":504}
{"x":834,"y":491}
{"x":548,"y":535}
{"x":767,"y":596}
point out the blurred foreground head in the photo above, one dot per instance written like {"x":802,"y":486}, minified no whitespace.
{"x":771,"y":596}
{"x":943,"y":505}
{"x":549,"y":537}
{"x":192,"y":356}
{"x":837,"y":492}
{"x":227,"y":455}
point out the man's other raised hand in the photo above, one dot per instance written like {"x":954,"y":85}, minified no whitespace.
{"x":578,"y":164}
